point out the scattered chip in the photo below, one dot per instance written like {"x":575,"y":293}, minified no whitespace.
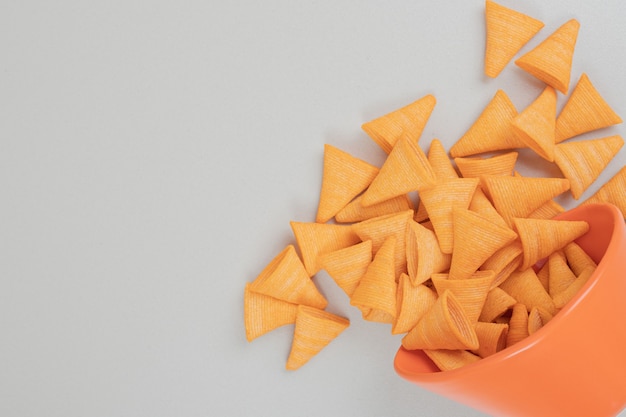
{"x":535,"y":125}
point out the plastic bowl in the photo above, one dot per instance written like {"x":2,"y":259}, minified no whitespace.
{"x":573,"y":366}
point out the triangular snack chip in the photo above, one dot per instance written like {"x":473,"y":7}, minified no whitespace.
{"x":519,"y":196}
{"x":535,"y":125}
{"x":316,"y":239}
{"x":421,"y":215}
{"x":405,"y":169}
{"x":408,"y":121}
{"x":491,"y":131}
{"x":375,"y":295}
{"x":547,"y":210}
{"x":584,"y":111}
{"x":412,"y":302}
{"x":542,"y":237}
{"x":537,"y":318}
{"x":568,"y":293}
{"x":313,"y":331}
{"x":423,"y":254}
{"x":504,"y":261}
{"x":263,"y":313}
{"x":577,"y":258}
{"x":551,"y":60}
{"x":582,"y":161}
{"x":354,"y":211}
{"x":491,"y":338}
{"x":444,"y":326}
{"x":518,"y":325}
{"x":525,"y":287}
{"x":285,"y":278}
{"x":481,"y":205}
{"x":447,"y":360}
{"x":346,"y":266}
{"x":497,"y":303}
{"x":439,"y":161}
{"x":380,"y":228}
{"x":544,"y":276}
{"x":560,"y":275}
{"x":441,"y":199}
{"x":344,"y":177}
{"x":612,"y":192}
{"x":476,"y":238}
{"x":502,"y":164}
{"x":471,"y":292}
{"x":507,"y":32}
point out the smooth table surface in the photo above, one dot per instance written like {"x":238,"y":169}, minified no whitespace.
{"x":152,"y":155}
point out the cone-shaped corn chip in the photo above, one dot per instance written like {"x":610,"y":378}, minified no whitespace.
{"x":518,"y":325}
{"x":491,"y":131}
{"x":286,"y":279}
{"x":525,"y":287}
{"x":612,"y":192}
{"x":421,"y":215}
{"x":520,"y":196}
{"x":423,"y":254}
{"x":491,"y":338}
{"x":481,"y":205}
{"x":375,"y":295}
{"x":584,"y":111}
{"x":502,"y":164}
{"x":537,"y":318}
{"x":354,"y":211}
{"x":582,"y":161}
{"x":447,"y":360}
{"x":497,"y":303}
{"x":263,"y":313}
{"x":347,"y":266}
{"x":313,"y":331}
{"x":577,"y":258}
{"x":379,"y":229}
{"x":544,"y":276}
{"x":542,"y":237}
{"x":471,"y":292}
{"x":475,"y":240}
{"x":560,"y":275}
{"x":444,"y":326}
{"x":316,"y":239}
{"x":441,"y":199}
{"x":344,"y":177}
{"x":568,"y":293}
{"x":405,"y":169}
{"x":503,"y":262}
{"x":439,"y":161}
{"x":547,"y":210}
{"x":507,"y":32}
{"x":535,"y":125}
{"x":408,"y":121}
{"x":551,"y":60}
{"x":412,"y":302}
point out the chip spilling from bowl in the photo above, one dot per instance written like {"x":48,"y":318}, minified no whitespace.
{"x":476,"y":263}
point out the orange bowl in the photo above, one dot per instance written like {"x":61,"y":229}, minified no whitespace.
{"x":573,"y":366}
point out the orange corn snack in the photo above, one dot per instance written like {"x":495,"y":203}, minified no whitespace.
{"x":551,"y":60}
{"x":285,"y":278}
{"x":542,"y":237}
{"x":518,"y":325}
{"x":547,"y":211}
{"x":481,"y":205}
{"x":491,"y":131}
{"x":439,"y":161}
{"x":375,"y":295}
{"x":447,"y":360}
{"x":504,"y":261}
{"x":612,"y":192}
{"x":584,"y":111}
{"x":582,"y":161}
{"x":347,"y":266}
{"x":354,"y":211}
{"x":421,"y":215}
{"x":405,"y":169}
{"x":577,"y":258}
{"x":568,"y":293}
{"x":471,"y":292}
{"x":344,"y":177}
{"x":263,"y":313}
{"x":525,"y":287}
{"x":313,"y":331}
{"x":560,"y":275}
{"x":408,"y":121}
{"x":316,"y":239}
{"x":476,"y":239}
{"x":497,"y":303}
{"x":537,"y":318}
{"x":491,"y":338}
{"x":444,"y":326}
{"x":507,"y":32}
{"x":423,"y":254}
{"x":502,"y":164}
{"x":535,"y":126}
{"x":413,"y":301}
{"x":520,"y":196}
{"x":543,"y":274}
{"x":439,"y":201}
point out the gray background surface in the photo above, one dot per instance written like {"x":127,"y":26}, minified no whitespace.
{"x":152,"y":155}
